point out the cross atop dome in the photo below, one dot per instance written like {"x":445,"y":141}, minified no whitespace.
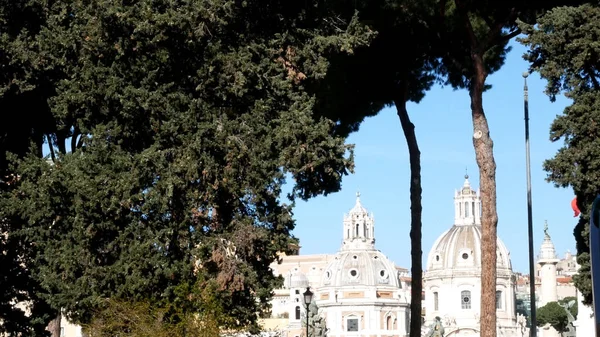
{"x":467,"y":184}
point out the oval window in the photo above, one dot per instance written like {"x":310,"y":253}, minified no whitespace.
{"x":465,"y":256}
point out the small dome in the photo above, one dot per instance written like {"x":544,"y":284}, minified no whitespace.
{"x":297,"y":280}
{"x":365,"y":268}
{"x":460,"y":248}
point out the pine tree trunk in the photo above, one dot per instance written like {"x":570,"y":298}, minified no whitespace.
{"x":415,"y":213}
{"x":484,"y":154}
{"x":54,"y":326}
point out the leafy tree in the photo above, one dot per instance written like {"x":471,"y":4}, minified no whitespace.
{"x":554,"y":314}
{"x":171,"y":127}
{"x":361,"y":84}
{"x":477,"y":35}
{"x":563,"y":49}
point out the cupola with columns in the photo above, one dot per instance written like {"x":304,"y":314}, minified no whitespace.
{"x":467,"y":205}
{"x":359,"y":228}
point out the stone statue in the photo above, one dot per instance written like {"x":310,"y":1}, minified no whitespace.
{"x":436,"y":329}
{"x":546,"y":227}
{"x":316,"y":322}
{"x":521,"y":323}
{"x":570,"y":332}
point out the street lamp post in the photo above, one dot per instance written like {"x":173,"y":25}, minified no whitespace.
{"x":308,"y":295}
{"x":533,"y":328}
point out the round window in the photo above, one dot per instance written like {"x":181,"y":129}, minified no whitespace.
{"x":353,"y":273}
{"x":466,"y":299}
{"x":328,"y":274}
{"x":383,"y":273}
{"x":355,"y":257}
{"x":465,"y":256}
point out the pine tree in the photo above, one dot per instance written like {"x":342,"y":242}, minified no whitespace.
{"x":172,"y":126}
{"x":563,"y":49}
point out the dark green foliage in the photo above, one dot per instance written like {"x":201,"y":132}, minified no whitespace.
{"x":567,"y":301}
{"x":564,"y":50}
{"x":555,"y":315}
{"x":182,"y":118}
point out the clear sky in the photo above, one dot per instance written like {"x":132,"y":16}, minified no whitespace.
{"x":444,"y":132}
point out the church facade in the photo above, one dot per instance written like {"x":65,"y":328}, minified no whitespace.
{"x":358,"y":290}
{"x":360,"y":293}
{"x":452,"y":280}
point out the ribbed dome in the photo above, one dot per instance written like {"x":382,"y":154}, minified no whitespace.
{"x":365,"y":268}
{"x":460,"y":248}
{"x":296,"y":280}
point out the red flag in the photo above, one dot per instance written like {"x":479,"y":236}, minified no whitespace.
{"x":575,"y":208}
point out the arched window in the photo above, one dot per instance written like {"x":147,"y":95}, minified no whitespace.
{"x":473,"y":208}
{"x":465,"y":299}
{"x":498,"y":300}
{"x":460,"y":208}
{"x":435,"y":301}
{"x":389,"y":323}
{"x":365,"y":230}
{"x":466,"y":209}
{"x":348,"y":233}
{"x":297,"y":312}
{"x":357,"y":230}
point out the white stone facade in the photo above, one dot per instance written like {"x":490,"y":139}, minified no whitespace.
{"x":358,"y":290}
{"x":452,"y":280}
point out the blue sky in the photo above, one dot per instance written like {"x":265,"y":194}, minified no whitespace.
{"x":444,"y":131}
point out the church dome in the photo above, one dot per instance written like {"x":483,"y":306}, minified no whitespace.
{"x":460,"y":248}
{"x":358,"y":262}
{"x":296,"y":279}
{"x":364,"y":268}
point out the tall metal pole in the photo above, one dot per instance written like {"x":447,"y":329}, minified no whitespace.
{"x":533,"y":328}
{"x":307,"y":320}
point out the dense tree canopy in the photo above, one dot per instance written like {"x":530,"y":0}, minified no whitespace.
{"x":171,"y":125}
{"x":563,"y":48}
{"x":555,"y":315}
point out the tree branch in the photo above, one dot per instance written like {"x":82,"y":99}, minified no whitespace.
{"x":497,"y":29}
{"x":79,"y":142}
{"x":464,"y":13}
{"x":74,"y":139}
{"x":592,"y":75}
{"x":51,"y":147}
{"x":509,"y":36}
